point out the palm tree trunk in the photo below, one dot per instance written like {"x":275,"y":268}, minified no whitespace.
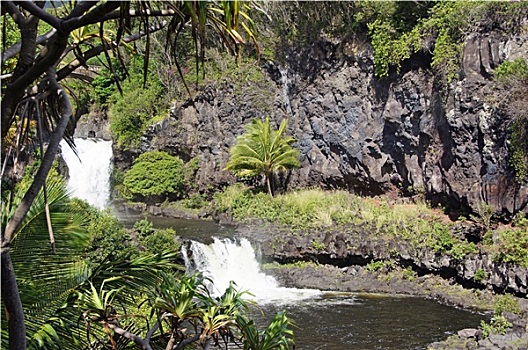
{"x":268,"y":181}
{"x":12,"y":304}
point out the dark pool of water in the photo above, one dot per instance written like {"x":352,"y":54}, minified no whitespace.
{"x":373,"y":322}
{"x":200,"y":230}
{"x":342,"y":322}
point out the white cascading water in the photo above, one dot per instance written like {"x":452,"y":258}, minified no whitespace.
{"x":90,"y":172}
{"x":225,"y":260}
{"x":286,"y":90}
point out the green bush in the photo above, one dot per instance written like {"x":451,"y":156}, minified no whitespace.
{"x":143,"y":228}
{"x":132,"y":110}
{"x":317,"y":245}
{"x":512,"y":70}
{"x":195,"y":201}
{"x":511,"y":246}
{"x":480,"y":276}
{"x":155,"y":176}
{"x":109,"y":240}
{"x":507,"y":303}
{"x":497,"y":325}
{"x":409,"y":274}
{"x":130,"y":115}
{"x":374,"y":266}
{"x":161,"y":240}
{"x":155,"y":240}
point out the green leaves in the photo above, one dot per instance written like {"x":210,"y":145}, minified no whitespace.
{"x":262,"y":151}
{"x":155,"y":174}
{"x":277,"y":335}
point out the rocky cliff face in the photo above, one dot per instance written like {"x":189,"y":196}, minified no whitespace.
{"x":406,"y":134}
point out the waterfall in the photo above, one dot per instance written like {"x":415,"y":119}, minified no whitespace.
{"x":225,"y":260}
{"x":286,"y":90}
{"x":90,"y":172}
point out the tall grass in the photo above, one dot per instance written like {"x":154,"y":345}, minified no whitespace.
{"x":417,"y":224}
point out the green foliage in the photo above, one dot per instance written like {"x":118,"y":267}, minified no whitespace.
{"x":131,"y":112}
{"x":263,"y":151}
{"x":409,"y":274}
{"x":317,"y":245}
{"x":156,"y":240}
{"x":512,"y":70}
{"x":462,"y":248}
{"x":390,"y":49}
{"x":399,"y":30}
{"x":109,"y":240}
{"x":45,"y":275}
{"x":130,"y":115}
{"x":155,"y":175}
{"x":485,"y":214}
{"x":497,"y":325}
{"x":195,"y":201}
{"x":374,"y":266}
{"x":143,"y":228}
{"x":161,"y":240}
{"x":314,"y":208}
{"x":519,"y":148}
{"x":509,"y":246}
{"x":520,"y":221}
{"x":301,"y":209}
{"x":480,"y":276}
{"x":507,"y":303}
{"x":278,"y":334}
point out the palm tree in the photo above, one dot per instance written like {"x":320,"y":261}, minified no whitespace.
{"x":262,"y":151}
{"x":45,"y":278}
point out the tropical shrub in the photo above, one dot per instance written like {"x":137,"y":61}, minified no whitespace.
{"x":510,"y":246}
{"x":109,"y":240}
{"x":156,"y":240}
{"x":155,"y":176}
{"x":130,"y":115}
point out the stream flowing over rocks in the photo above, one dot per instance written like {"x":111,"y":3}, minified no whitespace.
{"x":352,"y":248}
{"x":407,"y":134}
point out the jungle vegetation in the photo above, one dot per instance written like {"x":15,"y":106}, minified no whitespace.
{"x":153,"y":52}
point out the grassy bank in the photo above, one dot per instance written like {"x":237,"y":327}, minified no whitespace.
{"x":416,"y":223}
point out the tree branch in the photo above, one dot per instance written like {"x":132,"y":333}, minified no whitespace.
{"x":187,"y":341}
{"x":11,"y":8}
{"x":13,"y":50}
{"x":47,"y":161}
{"x":81,"y":8}
{"x":135,"y":13}
{"x":73,"y":65}
{"x":40,"y":13}
{"x":94,"y":16}
{"x":151,"y":332}
{"x":12,"y":305}
{"x":15,"y":90}
{"x":136,"y":339}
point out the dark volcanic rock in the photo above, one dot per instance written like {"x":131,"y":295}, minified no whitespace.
{"x":356,"y":246}
{"x":405,"y":134}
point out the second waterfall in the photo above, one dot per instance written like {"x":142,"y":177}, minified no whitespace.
{"x":227,"y":260}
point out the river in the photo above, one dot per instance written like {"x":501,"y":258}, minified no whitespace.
{"x":324,"y":320}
